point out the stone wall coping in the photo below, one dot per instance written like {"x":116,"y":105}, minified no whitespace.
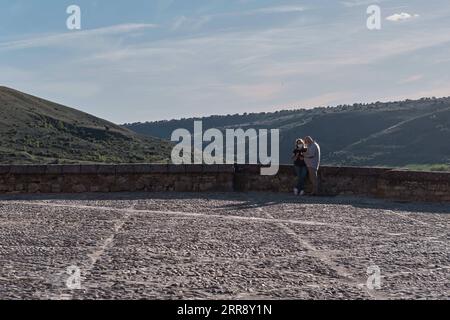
{"x":387,"y":173}
{"x":55,"y":169}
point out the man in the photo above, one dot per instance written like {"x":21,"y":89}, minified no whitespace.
{"x":312,"y":160}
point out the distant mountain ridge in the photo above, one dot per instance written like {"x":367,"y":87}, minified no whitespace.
{"x":34,"y":130}
{"x":410,"y":132}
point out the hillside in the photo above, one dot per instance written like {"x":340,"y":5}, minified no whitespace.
{"x":34,"y":130}
{"x":395,"y":134}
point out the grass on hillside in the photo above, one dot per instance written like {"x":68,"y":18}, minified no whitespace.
{"x":429,"y":167}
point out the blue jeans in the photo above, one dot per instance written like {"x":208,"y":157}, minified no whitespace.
{"x":302,"y":173}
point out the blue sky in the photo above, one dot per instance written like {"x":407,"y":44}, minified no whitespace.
{"x":146,"y":60}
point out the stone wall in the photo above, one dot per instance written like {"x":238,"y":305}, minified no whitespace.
{"x":372,"y":182}
{"x":114,"y":178}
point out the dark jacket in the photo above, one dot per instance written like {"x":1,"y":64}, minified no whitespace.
{"x":299,"y":161}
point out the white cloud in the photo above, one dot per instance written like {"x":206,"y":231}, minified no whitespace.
{"x":195,"y":23}
{"x":178,"y":22}
{"x":279,"y":9}
{"x":73,"y":36}
{"x":411,"y":79}
{"x":184,"y":22}
{"x":325,"y":99}
{"x":401,"y":17}
{"x":260,"y":91}
{"x":356,"y":3}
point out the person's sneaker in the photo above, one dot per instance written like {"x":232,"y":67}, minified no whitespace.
{"x":296,"y":191}
{"x":302,"y":193}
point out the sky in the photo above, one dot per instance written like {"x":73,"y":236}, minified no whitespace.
{"x":147,"y":60}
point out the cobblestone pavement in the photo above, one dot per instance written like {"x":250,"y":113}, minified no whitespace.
{"x":221,"y":246}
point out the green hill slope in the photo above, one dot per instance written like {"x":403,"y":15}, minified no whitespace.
{"x":33,"y":130}
{"x":381,"y":134}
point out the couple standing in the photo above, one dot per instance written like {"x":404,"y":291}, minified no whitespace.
{"x":306,"y":162}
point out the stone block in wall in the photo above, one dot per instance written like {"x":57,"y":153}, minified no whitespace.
{"x":36,"y":169}
{"x":158,"y":168}
{"x":94,"y":189}
{"x":45,"y":186}
{"x":125,"y":169}
{"x":210,"y":168}
{"x":4,"y":169}
{"x":105,"y":182}
{"x":174,"y":168}
{"x":33,"y":188}
{"x":183,"y":185}
{"x":149,"y":168}
{"x":69,"y":181}
{"x":206,"y":186}
{"x":286,"y":170}
{"x":9,"y":183}
{"x":226,"y":168}
{"x":140,"y":184}
{"x":332,"y":171}
{"x":215,"y":168}
{"x":147,"y":182}
{"x":123,"y":183}
{"x":18,"y":169}
{"x":141,"y":168}
{"x":103,"y":169}
{"x":248,"y":168}
{"x":79,"y":188}
{"x":71,"y":169}
{"x":219,"y":177}
{"x":54,"y":169}
{"x":56,"y":188}
{"x":403,"y":175}
{"x":194,"y":168}
{"x":89,"y":169}
{"x":162,"y":183}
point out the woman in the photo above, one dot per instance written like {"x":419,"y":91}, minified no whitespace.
{"x":300,"y":166}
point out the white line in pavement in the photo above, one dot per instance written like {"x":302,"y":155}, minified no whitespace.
{"x":189,"y":214}
{"x":406,"y":216}
{"x":326,"y":259}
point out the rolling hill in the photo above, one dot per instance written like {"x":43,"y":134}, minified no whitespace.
{"x":397,"y":134}
{"x":33,"y":130}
